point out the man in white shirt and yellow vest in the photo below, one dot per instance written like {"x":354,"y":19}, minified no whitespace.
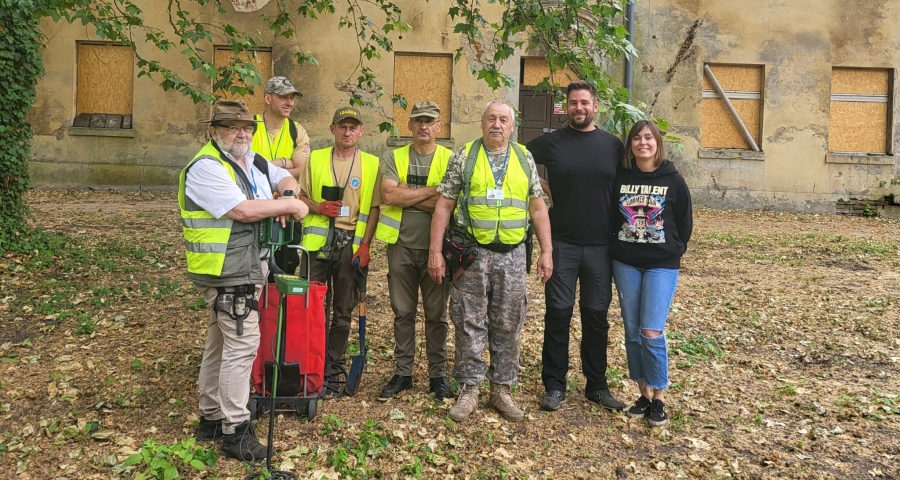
{"x":358,"y":175}
{"x":493,"y":184}
{"x":411,"y":176}
{"x":285,"y":143}
{"x":223,"y":194}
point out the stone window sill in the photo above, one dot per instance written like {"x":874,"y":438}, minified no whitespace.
{"x":100,"y":132}
{"x":403,"y":141}
{"x":731,"y":154}
{"x":859,"y":158}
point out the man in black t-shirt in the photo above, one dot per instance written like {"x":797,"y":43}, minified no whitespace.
{"x":581,"y":162}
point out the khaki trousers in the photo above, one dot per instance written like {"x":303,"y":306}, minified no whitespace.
{"x":224,"y":379}
{"x":407,"y":274}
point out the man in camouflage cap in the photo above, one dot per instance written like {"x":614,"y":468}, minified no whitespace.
{"x":493,"y":184}
{"x":285,"y":143}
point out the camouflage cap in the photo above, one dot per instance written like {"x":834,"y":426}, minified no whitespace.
{"x":281,"y":86}
{"x":425,"y":109}
{"x":230,"y":110}
{"x":344,"y":113}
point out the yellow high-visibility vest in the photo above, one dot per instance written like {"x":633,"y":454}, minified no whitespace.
{"x":315,"y":226}
{"x":389,"y":223}
{"x":498,"y":221}
{"x":281,"y":147}
{"x":205,"y":236}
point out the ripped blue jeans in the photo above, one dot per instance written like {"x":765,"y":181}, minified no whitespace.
{"x":645,"y":295}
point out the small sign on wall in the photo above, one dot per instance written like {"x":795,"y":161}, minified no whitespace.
{"x":559,"y":109}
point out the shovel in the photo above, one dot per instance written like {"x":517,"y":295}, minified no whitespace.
{"x":358,"y":362}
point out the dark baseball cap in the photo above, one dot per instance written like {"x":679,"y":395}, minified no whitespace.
{"x":425,"y":109}
{"x":344,"y":113}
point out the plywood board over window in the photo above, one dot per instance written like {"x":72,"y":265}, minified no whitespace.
{"x":262,"y":60}
{"x":105,"y":79}
{"x":743,"y":87}
{"x":860,"y":110}
{"x":420,"y":77}
{"x":535,"y":70}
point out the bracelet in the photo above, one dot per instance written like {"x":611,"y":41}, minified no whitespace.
{"x":283,"y":164}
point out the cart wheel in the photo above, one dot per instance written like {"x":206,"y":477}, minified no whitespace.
{"x":253,"y":405}
{"x":311,"y":408}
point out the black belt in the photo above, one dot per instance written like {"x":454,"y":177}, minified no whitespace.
{"x":499,"y":247}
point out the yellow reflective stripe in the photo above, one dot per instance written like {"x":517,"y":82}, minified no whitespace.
{"x":504,"y":224}
{"x":389,"y":222}
{"x":357,"y":240}
{"x":205,"y":247}
{"x":315,"y":231}
{"x":224,"y":222}
{"x":363,"y":217}
{"x":506,"y":202}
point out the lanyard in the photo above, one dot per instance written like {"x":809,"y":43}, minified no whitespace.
{"x":501,"y":175}
{"x":253,"y":182}
{"x":269,"y":139}
{"x":349,"y":173}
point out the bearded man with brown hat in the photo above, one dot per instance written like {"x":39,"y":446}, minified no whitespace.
{"x":223,"y":194}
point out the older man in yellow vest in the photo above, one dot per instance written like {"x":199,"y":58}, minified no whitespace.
{"x":411,"y":176}
{"x":493,"y":184}
{"x":223,"y":194}
{"x":341,"y":249}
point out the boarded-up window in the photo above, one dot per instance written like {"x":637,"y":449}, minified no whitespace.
{"x":743,"y":88}
{"x":104,"y":79}
{"x":420,"y":77}
{"x":262,"y":60}
{"x":535,"y":70}
{"x":860,"y":110}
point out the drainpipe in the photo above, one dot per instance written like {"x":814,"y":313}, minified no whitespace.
{"x":629,"y":62}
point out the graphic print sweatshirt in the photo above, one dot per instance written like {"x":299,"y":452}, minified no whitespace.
{"x":654,"y":219}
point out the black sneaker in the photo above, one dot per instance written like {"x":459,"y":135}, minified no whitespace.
{"x":397,"y":384}
{"x":640,"y":409}
{"x":209,"y":430}
{"x":243,"y":445}
{"x":605,"y":399}
{"x":552,"y":400}
{"x":657,"y":417}
{"x":440,"y":387}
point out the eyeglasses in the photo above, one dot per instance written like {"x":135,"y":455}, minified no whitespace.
{"x":248,"y":129}
{"x":425,"y":121}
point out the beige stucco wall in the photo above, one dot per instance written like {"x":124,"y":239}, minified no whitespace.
{"x":797,"y":42}
{"x":166,"y":128}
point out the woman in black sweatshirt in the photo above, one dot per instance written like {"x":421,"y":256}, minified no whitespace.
{"x":653,"y":224}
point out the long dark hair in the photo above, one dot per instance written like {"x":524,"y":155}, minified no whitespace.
{"x":628,"y":161}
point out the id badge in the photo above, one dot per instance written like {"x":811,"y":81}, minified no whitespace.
{"x":345,"y":212}
{"x":495,"y":194}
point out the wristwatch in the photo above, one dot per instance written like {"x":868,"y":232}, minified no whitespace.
{"x":287,"y":193}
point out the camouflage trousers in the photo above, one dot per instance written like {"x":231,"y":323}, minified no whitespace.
{"x":487,"y":305}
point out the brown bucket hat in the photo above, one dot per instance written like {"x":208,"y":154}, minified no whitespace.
{"x":233,"y":110}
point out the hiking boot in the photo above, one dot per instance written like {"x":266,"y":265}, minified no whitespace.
{"x":640,"y":409}
{"x":657,"y":417}
{"x":605,"y":399}
{"x":465,"y":404}
{"x":502,"y":401}
{"x":552,"y":400}
{"x":209,"y":430}
{"x":440,"y":388}
{"x":397,"y":384}
{"x":243,"y":445}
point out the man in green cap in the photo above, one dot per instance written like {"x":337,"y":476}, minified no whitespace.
{"x":355,"y":215}
{"x":411,"y":176}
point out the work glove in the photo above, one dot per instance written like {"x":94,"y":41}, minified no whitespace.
{"x":361,"y":257}
{"x":330,"y":208}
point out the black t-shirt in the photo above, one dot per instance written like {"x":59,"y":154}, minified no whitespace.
{"x":582,"y":168}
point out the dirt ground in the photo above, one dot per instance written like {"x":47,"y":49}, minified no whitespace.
{"x":783,"y":348}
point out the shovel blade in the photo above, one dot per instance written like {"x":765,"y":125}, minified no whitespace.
{"x":357,"y":363}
